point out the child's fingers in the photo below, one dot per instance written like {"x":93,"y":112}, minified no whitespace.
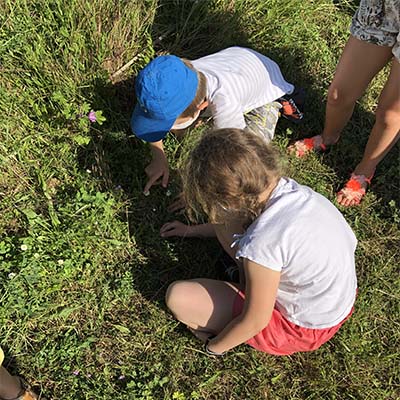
{"x":165,"y":227}
{"x":170,"y":233}
{"x":149,"y":184}
{"x":165,"y":178}
{"x":177,"y":205}
{"x":153,"y":180}
{"x":174,"y":228}
{"x":168,"y":226}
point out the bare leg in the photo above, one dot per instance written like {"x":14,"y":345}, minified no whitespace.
{"x":384,"y":134}
{"x":10,"y":386}
{"x":359,"y":63}
{"x":387,"y":126}
{"x":204,"y":305}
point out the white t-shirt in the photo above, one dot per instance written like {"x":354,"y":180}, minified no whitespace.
{"x":303,"y":235}
{"x":240,"y":80}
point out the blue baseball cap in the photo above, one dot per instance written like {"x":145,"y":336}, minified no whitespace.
{"x":164,"y":89}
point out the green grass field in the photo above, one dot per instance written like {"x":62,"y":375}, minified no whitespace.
{"x":83,"y":270}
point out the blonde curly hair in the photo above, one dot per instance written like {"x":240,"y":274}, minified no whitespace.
{"x":226,"y":174}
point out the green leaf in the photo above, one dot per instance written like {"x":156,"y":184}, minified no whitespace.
{"x":82,"y":140}
{"x":66,"y":312}
{"x":100,"y":118}
{"x":122,"y":328}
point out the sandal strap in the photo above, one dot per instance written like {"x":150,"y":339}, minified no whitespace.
{"x":314,"y":143}
{"x":356,"y":181}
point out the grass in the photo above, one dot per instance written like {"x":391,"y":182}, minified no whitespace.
{"x":83,"y":270}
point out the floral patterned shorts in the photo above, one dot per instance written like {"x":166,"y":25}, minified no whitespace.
{"x":378,"y":22}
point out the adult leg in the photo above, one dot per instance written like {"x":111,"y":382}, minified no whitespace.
{"x":204,"y":305}
{"x":384,"y":134}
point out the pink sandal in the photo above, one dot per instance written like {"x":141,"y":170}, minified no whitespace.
{"x":354,"y":190}
{"x":302,"y":147}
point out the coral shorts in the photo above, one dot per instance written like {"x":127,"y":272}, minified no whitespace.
{"x":282,"y":337}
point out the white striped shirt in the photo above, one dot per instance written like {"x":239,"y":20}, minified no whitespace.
{"x":238,"y":81}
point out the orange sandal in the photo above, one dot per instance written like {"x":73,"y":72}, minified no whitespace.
{"x":305,"y":146}
{"x":354,"y":190}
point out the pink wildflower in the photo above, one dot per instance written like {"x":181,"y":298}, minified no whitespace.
{"x":92,"y":116}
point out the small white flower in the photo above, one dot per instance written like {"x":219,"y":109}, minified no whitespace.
{"x":12,"y":275}
{"x":168,"y":193}
{"x":24,"y":247}
{"x":88,"y":171}
{"x":60,"y":262}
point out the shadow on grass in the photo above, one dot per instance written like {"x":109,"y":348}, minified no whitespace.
{"x":119,"y":158}
{"x":348,"y":6}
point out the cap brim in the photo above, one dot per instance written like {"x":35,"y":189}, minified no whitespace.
{"x":149,"y":129}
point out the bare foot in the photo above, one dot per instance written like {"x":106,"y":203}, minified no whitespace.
{"x":353,"y":191}
{"x":300,"y":148}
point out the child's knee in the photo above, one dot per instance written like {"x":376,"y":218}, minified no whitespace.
{"x":340,"y":97}
{"x":387,"y":116}
{"x":176,"y":295}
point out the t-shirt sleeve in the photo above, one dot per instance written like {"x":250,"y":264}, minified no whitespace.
{"x":226,"y":113}
{"x":268,"y":253}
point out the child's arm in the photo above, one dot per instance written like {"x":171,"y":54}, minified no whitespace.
{"x":176,"y":228}
{"x":158,"y":168}
{"x":261,"y":288}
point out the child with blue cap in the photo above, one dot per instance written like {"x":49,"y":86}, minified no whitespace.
{"x":239,"y":87}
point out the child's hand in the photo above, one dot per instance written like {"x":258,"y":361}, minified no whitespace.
{"x":157,"y":169}
{"x":178,"y":204}
{"x":176,"y":228}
